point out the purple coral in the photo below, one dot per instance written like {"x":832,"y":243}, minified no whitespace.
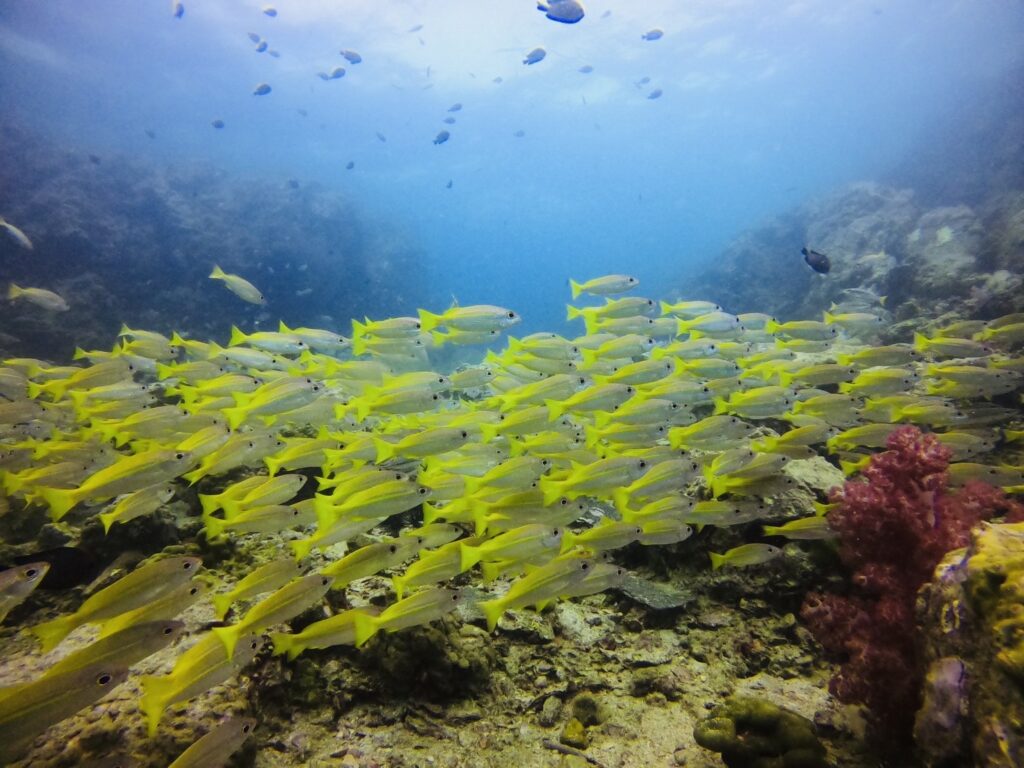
{"x":894,"y":525}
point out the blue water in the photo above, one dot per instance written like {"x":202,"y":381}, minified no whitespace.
{"x":764,"y":105}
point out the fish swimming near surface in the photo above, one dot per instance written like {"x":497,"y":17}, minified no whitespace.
{"x":449,"y":120}
{"x":448,"y":185}
{"x":564,"y":11}
{"x":336,"y":73}
{"x":261,"y":46}
{"x":442,"y":137}
{"x":655,"y":94}
{"x":537,"y":54}
{"x":178,"y":9}
{"x":218,"y":124}
{"x":351,"y":56}
{"x":269,"y":10}
{"x":350,"y":165}
{"x":19,"y":237}
{"x":519,"y":134}
{"x":415,"y":29}
{"x":817,"y":261}
{"x":381,"y":137}
{"x":654,"y":34}
{"x":254,"y":37}
{"x":455,"y":107}
{"x":586,"y":69}
{"x":150,"y":132}
{"x":261,"y":90}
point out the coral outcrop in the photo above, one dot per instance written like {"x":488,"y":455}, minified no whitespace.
{"x":753,"y":733}
{"x":894,"y":526}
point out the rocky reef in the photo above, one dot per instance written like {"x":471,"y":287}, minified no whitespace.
{"x":973,"y":711}
{"x":125,"y":241}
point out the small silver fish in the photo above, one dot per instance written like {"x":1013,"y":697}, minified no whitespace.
{"x":537,"y":54}
{"x":563,"y":11}
{"x":442,"y":137}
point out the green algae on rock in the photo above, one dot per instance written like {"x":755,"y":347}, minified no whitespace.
{"x":754,"y":733}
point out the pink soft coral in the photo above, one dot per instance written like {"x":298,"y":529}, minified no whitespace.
{"x":894,"y":525}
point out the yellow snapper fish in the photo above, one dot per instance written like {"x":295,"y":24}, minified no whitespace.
{"x":196,"y":671}
{"x":416,"y":610}
{"x":339,"y":629}
{"x":239,"y":286}
{"x":604,"y":286}
{"x":222,"y":741}
{"x":143,"y":585}
{"x":32,"y":708}
{"x":16,"y":234}
{"x":16,"y":584}
{"x":745,"y":555}
{"x":480,"y":317}
{"x":281,"y":606}
{"x":48,"y":300}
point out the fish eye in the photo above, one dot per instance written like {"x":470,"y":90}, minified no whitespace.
{"x":168,"y":630}
{"x":511,"y":315}
{"x":187,"y":565}
{"x":392,"y":549}
{"x":193,"y":591}
{"x":563,"y":501}
{"x":631,"y":280}
{"x":31,"y":573}
{"x":104,"y":679}
{"x":464,"y":434}
{"x":324,"y":582}
{"x":421,"y":491}
{"x":246,"y":728}
{"x":642,"y":464}
{"x":455,"y":597}
{"x":417,"y":326}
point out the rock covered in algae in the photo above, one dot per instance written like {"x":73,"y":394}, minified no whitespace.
{"x":973,"y":621}
{"x":754,"y":733}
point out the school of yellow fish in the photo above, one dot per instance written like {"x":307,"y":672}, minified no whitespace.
{"x":659,"y":419}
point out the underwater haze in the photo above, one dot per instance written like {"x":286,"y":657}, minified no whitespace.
{"x":550,"y":172}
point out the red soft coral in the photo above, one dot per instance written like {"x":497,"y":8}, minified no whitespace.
{"x":894,"y":525}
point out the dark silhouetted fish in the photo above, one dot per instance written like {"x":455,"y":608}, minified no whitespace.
{"x":218,"y":124}
{"x":261,"y":90}
{"x":537,"y":54}
{"x":519,"y":134}
{"x":417,"y":28}
{"x":449,"y":120}
{"x":178,"y":9}
{"x":254,"y":37}
{"x":642,"y":81}
{"x":817,"y":261}
{"x":351,"y":56}
{"x":302,"y":112}
{"x":381,"y":137}
{"x":654,"y":34}
{"x":95,"y":159}
{"x":586,"y":69}
{"x":293,"y":183}
{"x":564,"y":11}
{"x":442,"y":137}
{"x":262,"y":46}
{"x":350,"y":165}
{"x":150,"y":132}
{"x":655,"y":94}
{"x":448,"y":185}
{"x":455,"y":107}
{"x":498,"y":79}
